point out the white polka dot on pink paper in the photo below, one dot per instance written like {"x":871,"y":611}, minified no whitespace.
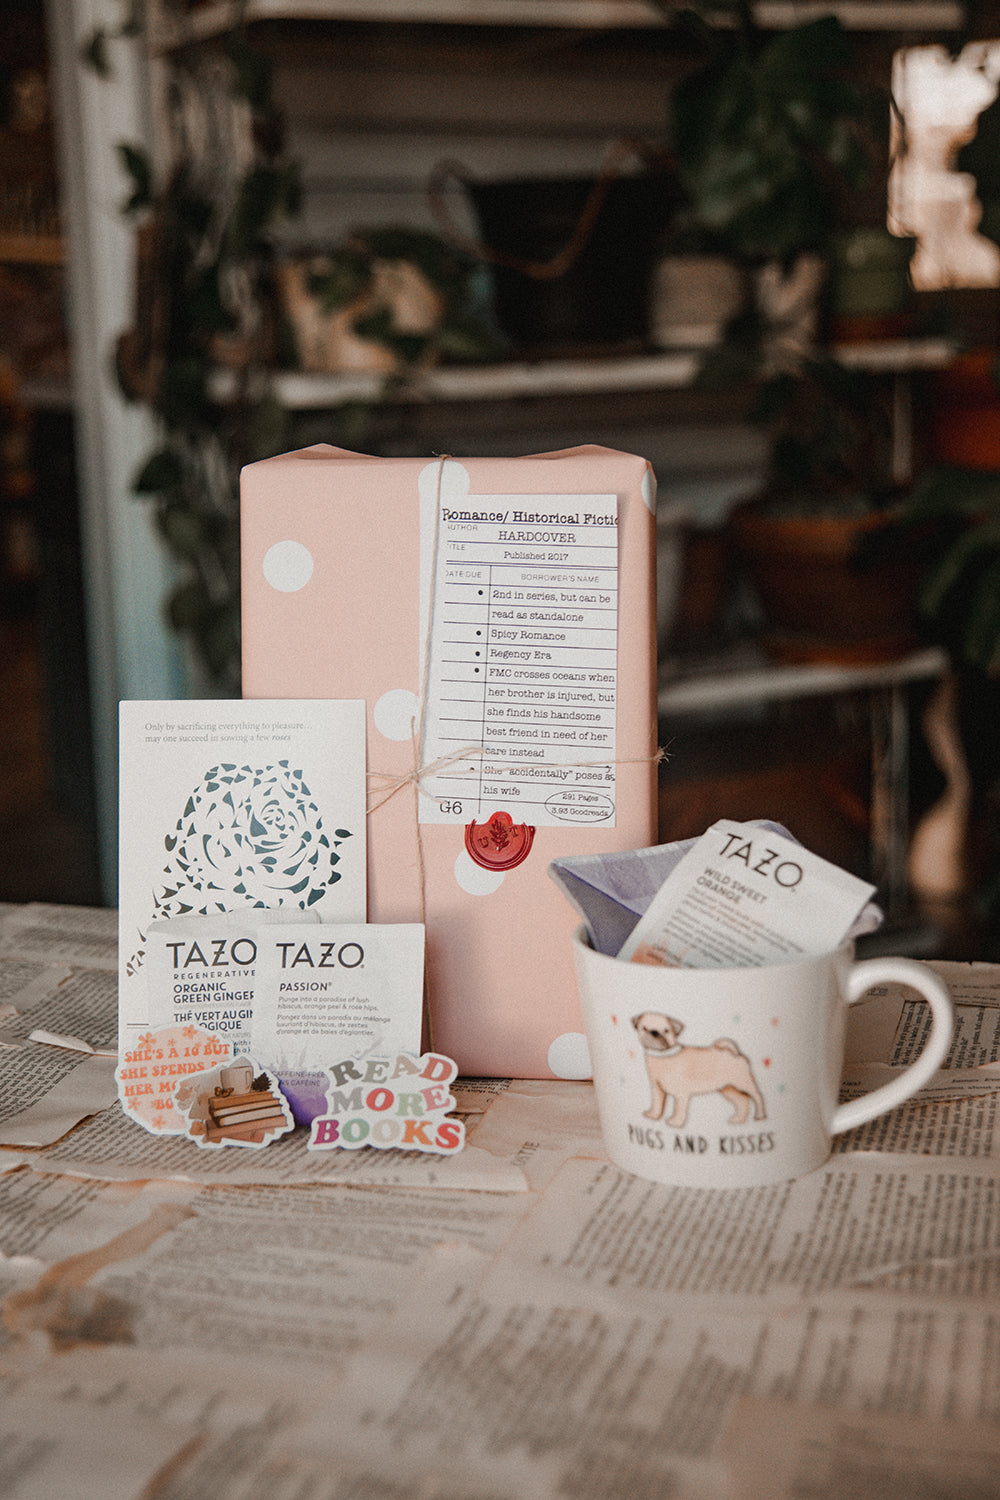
{"x":475,"y":879}
{"x":569,"y":1056}
{"x":288,"y":566}
{"x":395,"y":714}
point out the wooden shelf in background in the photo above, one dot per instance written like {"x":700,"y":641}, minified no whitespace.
{"x":210,"y":19}
{"x":302,"y":391}
{"x":32,"y":249}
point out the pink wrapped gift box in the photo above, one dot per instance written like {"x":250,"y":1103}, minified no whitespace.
{"x":417,"y":584}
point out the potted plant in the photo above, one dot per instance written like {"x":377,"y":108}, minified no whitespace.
{"x":776,"y":140}
{"x":768,"y":132}
{"x":834,"y":560}
{"x":781,"y":150}
{"x":771,"y":134}
{"x":960,"y":593}
{"x":387,"y":300}
{"x":207,"y":269}
{"x":203,"y":264}
{"x":570,"y":256}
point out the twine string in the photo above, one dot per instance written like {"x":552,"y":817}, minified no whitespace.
{"x":393,"y":782}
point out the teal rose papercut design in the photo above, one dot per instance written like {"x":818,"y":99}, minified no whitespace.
{"x":248,"y":836}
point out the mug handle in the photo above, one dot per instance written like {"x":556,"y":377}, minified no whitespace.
{"x":862,"y":977}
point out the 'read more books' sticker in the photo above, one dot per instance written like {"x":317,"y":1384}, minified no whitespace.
{"x":398,"y":1102}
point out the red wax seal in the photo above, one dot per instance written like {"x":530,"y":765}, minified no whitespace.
{"x":499,"y":844}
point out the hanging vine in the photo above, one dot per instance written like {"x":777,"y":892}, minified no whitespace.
{"x":202,"y":341}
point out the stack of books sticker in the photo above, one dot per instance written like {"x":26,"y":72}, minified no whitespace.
{"x":244,"y":1117}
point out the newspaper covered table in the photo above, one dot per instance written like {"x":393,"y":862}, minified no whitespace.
{"x":522,"y":1321}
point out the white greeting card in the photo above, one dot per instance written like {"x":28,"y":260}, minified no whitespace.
{"x":323,"y":992}
{"x":227,"y":805}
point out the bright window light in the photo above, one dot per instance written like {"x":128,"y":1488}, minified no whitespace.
{"x":940,"y":97}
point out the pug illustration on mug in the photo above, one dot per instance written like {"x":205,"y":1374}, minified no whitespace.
{"x":679,"y":1072}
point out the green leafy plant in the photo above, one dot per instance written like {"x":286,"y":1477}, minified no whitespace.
{"x":776,"y":140}
{"x":769,"y":133}
{"x":960,"y":600}
{"x":830,"y":439}
{"x":201,"y":345}
{"x":205,"y":338}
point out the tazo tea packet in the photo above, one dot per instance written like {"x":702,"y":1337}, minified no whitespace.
{"x":203,"y":969}
{"x":324,"y":991}
{"x":743,"y":896}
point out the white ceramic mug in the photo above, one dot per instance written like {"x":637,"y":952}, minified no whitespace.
{"x":730,"y":1077}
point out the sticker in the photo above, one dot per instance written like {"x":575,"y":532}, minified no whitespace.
{"x":519,"y":598}
{"x":500,"y":844}
{"x":399,"y":1102}
{"x":237,"y":1104}
{"x":153,"y":1068}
